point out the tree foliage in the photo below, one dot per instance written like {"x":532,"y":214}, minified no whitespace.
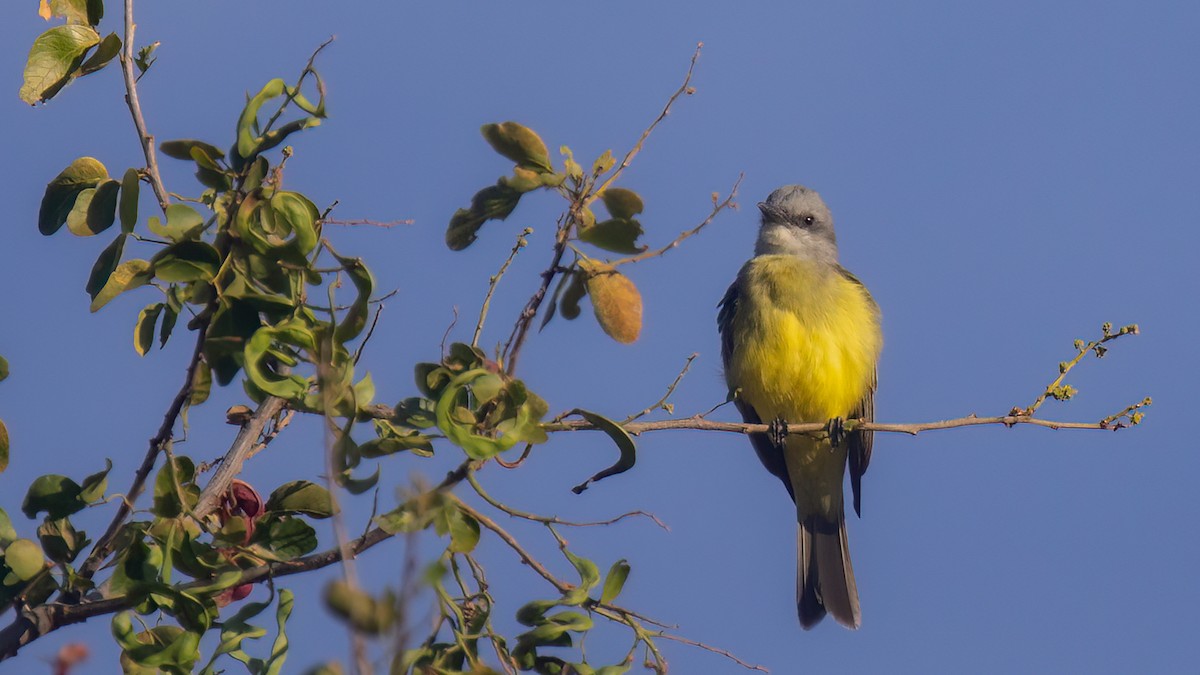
{"x":274,"y":308}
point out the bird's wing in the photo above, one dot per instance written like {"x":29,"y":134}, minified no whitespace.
{"x":861,"y":441}
{"x":768,"y":453}
{"x":860,"y":444}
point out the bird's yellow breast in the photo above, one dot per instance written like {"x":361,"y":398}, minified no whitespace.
{"x":806,"y":339}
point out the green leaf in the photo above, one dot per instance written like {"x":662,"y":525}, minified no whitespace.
{"x":603,"y":163}
{"x":60,"y":541}
{"x":183,"y":222}
{"x":145,"y":57}
{"x":355,"y":319}
{"x":130,"y":187}
{"x":143,"y":332}
{"x":164,"y":647}
{"x":201,"y":384}
{"x":7,"y":533}
{"x":175,"y":492}
{"x":615,"y":234}
{"x":415,"y":412}
{"x":93,"y":487}
{"x":247,"y":140}
{"x":576,"y":289}
{"x":494,"y":202}
{"x":24,"y":558}
{"x":589,"y":578}
{"x":462,"y":528}
{"x":619,"y":436}
{"x":359,"y":609}
{"x":4,"y":447}
{"x":182,"y":149}
{"x":279,"y":649}
{"x":54,"y":57}
{"x":170,"y":316}
{"x":77,"y":219}
{"x":614,"y":581}
{"x":57,"y":495}
{"x":460,"y":434}
{"x":109,"y":47}
{"x":291,"y":538}
{"x":622,"y":203}
{"x":128,"y":275}
{"x":105,"y":265}
{"x":60,"y":195}
{"x":519,"y":144}
{"x":102,"y":211}
{"x":186,"y":261}
{"x":3,"y":368}
{"x":262,"y":343}
{"x":301,"y":496}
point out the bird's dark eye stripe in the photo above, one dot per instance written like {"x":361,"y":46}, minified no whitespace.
{"x":803,"y":221}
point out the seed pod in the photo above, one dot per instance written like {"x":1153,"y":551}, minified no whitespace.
{"x":616,"y":301}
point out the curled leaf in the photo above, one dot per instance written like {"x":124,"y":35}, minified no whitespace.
{"x":620,"y":437}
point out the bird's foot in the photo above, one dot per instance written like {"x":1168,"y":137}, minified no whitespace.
{"x":777,"y":431}
{"x":836,"y":430}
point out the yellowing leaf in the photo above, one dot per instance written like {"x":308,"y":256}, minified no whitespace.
{"x":53,"y":59}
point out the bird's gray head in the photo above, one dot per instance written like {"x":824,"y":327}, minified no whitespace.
{"x":796,"y":222}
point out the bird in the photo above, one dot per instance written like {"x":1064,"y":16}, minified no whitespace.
{"x":800,"y":342}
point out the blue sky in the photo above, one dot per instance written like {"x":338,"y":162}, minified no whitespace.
{"x":1004,"y":179}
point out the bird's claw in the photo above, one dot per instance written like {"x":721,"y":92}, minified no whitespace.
{"x":777,"y":431}
{"x":836,"y":430}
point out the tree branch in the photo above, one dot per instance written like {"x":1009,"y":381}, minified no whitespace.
{"x":165,"y":432}
{"x":241,"y":449}
{"x":135,"y":109}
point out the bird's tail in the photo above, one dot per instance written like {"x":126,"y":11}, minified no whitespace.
{"x":824,"y":576}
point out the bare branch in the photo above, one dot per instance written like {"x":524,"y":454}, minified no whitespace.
{"x":522,"y":242}
{"x":1056,"y":389}
{"x":366,"y":221}
{"x":135,"y":109}
{"x":662,"y":402}
{"x":718,"y":206}
{"x":512,"y":542}
{"x":165,"y":432}
{"x":554,"y":520}
{"x":684,"y":88}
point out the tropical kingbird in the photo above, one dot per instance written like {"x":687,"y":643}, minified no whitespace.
{"x":800,"y":338}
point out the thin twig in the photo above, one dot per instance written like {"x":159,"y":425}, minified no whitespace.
{"x":512,"y":348}
{"x":554,"y":520}
{"x":522,"y":242}
{"x":684,"y":88}
{"x":1055,"y":388}
{"x":715,"y":650}
{"x":367,"y":221}
{"x":165,"y":431}
{"x":718,"y":207}
{"x":135,"y":109}
{"x":370,"y":331}
{"x":662,"y":402}
{"x":512,"y":542}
